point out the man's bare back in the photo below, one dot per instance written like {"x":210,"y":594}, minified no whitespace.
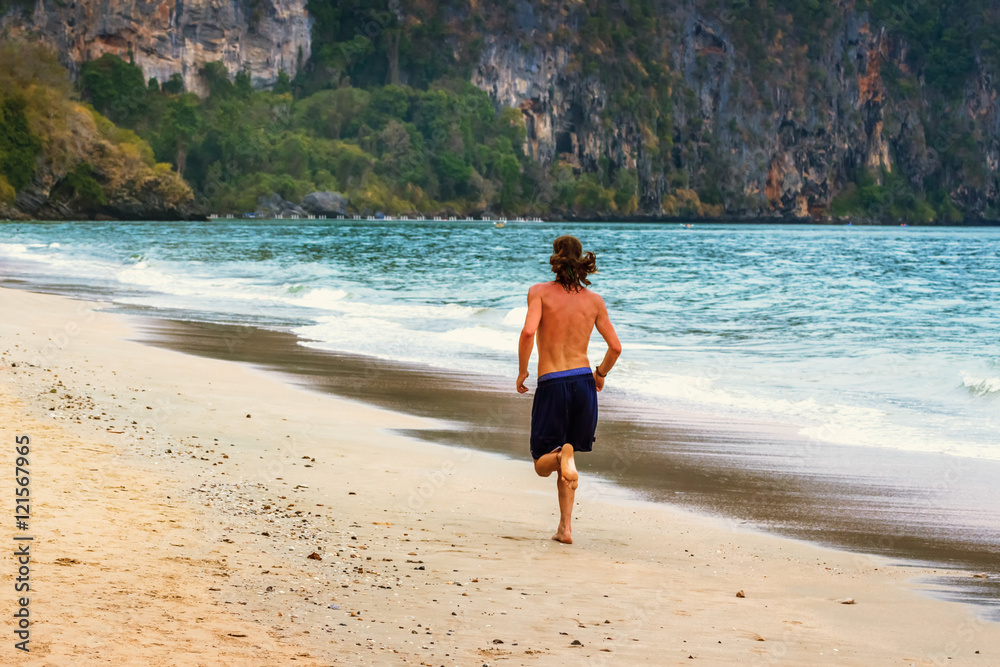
{"x":561,"y":321}
{"x":567,"y":320}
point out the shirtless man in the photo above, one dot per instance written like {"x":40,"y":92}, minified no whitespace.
{"x":563,"y":314}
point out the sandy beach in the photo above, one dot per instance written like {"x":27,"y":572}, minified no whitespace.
{"x":192,"y":511}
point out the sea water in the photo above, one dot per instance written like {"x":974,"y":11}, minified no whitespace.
{"x":870,"y":336}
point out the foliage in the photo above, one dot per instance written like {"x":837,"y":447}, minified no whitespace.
{"x":284,"y":84}
{"x":626,"y":191}
{"x":368,"y":43}
{"x":686,"y":203}
{"x":80,"y":183}
{"x":943,"y":37}
{"x":92,"y":161}
{"x":391,"y":148}
{"x":216,"y":78}
{"x":116,"y":88}
{"x":173,"y":86}
{"x":384,"y":112}
{"x":885,"y":196}
{"x":7,"y":192}
{"x":591,"y":196}
{"x":14,"y":6}
{"x":18,"y":144}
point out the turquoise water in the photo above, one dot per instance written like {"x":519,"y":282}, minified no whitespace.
{"x":884,"y":337}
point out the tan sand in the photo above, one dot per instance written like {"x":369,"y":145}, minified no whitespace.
{"x":176,"y":501}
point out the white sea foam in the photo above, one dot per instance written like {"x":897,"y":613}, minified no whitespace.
{"x":322,"y":298}
{"x":66,"y":265}
{"x":515,"y":317}
{"x":891,"y":435}
{"x":482,"y":336}
{"x":981,"y":386}
{"x":376,"y":337}
{"x":13,"y":249}
{"x":334,"y":300}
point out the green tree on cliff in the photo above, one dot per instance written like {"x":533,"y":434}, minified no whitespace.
{"x":183,"y":119}
{"x":116,"y":88}
{"x":18,"y":145}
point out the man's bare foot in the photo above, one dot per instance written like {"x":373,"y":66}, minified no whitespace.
{"x":567,"y":466}
{"x":563,"y":536}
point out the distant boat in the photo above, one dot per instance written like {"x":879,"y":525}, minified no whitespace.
{"x":686,"y":225}
{"x":499,"y":223}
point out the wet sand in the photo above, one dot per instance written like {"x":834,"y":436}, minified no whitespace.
{"x":929,"y":508}
{"x":193,"y":511}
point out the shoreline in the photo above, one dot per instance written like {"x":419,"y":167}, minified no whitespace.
{"x":640,"y":584}
{"x":914,"y":506}
{"x":575,"y":219}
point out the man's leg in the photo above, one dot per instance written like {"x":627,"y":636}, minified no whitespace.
{"x":567,"y":466}
{"x":547,"y":464}
{"x":567,"y":495}
{"x":566,"y":487}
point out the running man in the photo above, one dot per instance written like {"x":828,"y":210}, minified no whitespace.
{"x":563,"y":314}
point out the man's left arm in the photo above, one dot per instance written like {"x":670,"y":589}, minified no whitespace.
{"x":527,"y":341}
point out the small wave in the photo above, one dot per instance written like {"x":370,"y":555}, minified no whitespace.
{"x":13,"y":248}
{"x":142,"y":274}
{"x":515,"y":317}
{"x":65,"y":264}
{"x":481,"y":336}
{"x":340,"y":301}
{"x":978,"y":386}
{"x":321,"y":297}
{"x":656,"y":348}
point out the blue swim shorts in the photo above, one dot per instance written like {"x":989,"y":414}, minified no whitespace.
{"x":564,"y":411}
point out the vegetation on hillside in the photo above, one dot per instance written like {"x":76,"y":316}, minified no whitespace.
{"x":53,"y":145}
{"x":347,"y":122}
{"x":391,"y":148}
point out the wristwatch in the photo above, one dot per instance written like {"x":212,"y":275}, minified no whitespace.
{"x":597,"y":369}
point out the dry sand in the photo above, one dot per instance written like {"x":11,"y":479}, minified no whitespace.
{"x":176,"y":501}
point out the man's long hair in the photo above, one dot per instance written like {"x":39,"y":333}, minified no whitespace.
{"x":570,"y":264}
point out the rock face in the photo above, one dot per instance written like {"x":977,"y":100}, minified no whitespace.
{"x":168,"y":37}
{"x":780,"y":134}
{"x":275,"y":205}
{"x":325,"y":203}
{"x":777,"y":138}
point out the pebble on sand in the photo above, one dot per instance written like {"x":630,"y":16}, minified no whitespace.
{"x":740,"y":593}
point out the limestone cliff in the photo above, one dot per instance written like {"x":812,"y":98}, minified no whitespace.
{"x":168,"y":37}
{"x":781,"y":135}
{"x":758,"y":107}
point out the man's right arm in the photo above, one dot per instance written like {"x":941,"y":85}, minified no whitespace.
{"x":527,"y":340}
{"x":607,"y":332}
